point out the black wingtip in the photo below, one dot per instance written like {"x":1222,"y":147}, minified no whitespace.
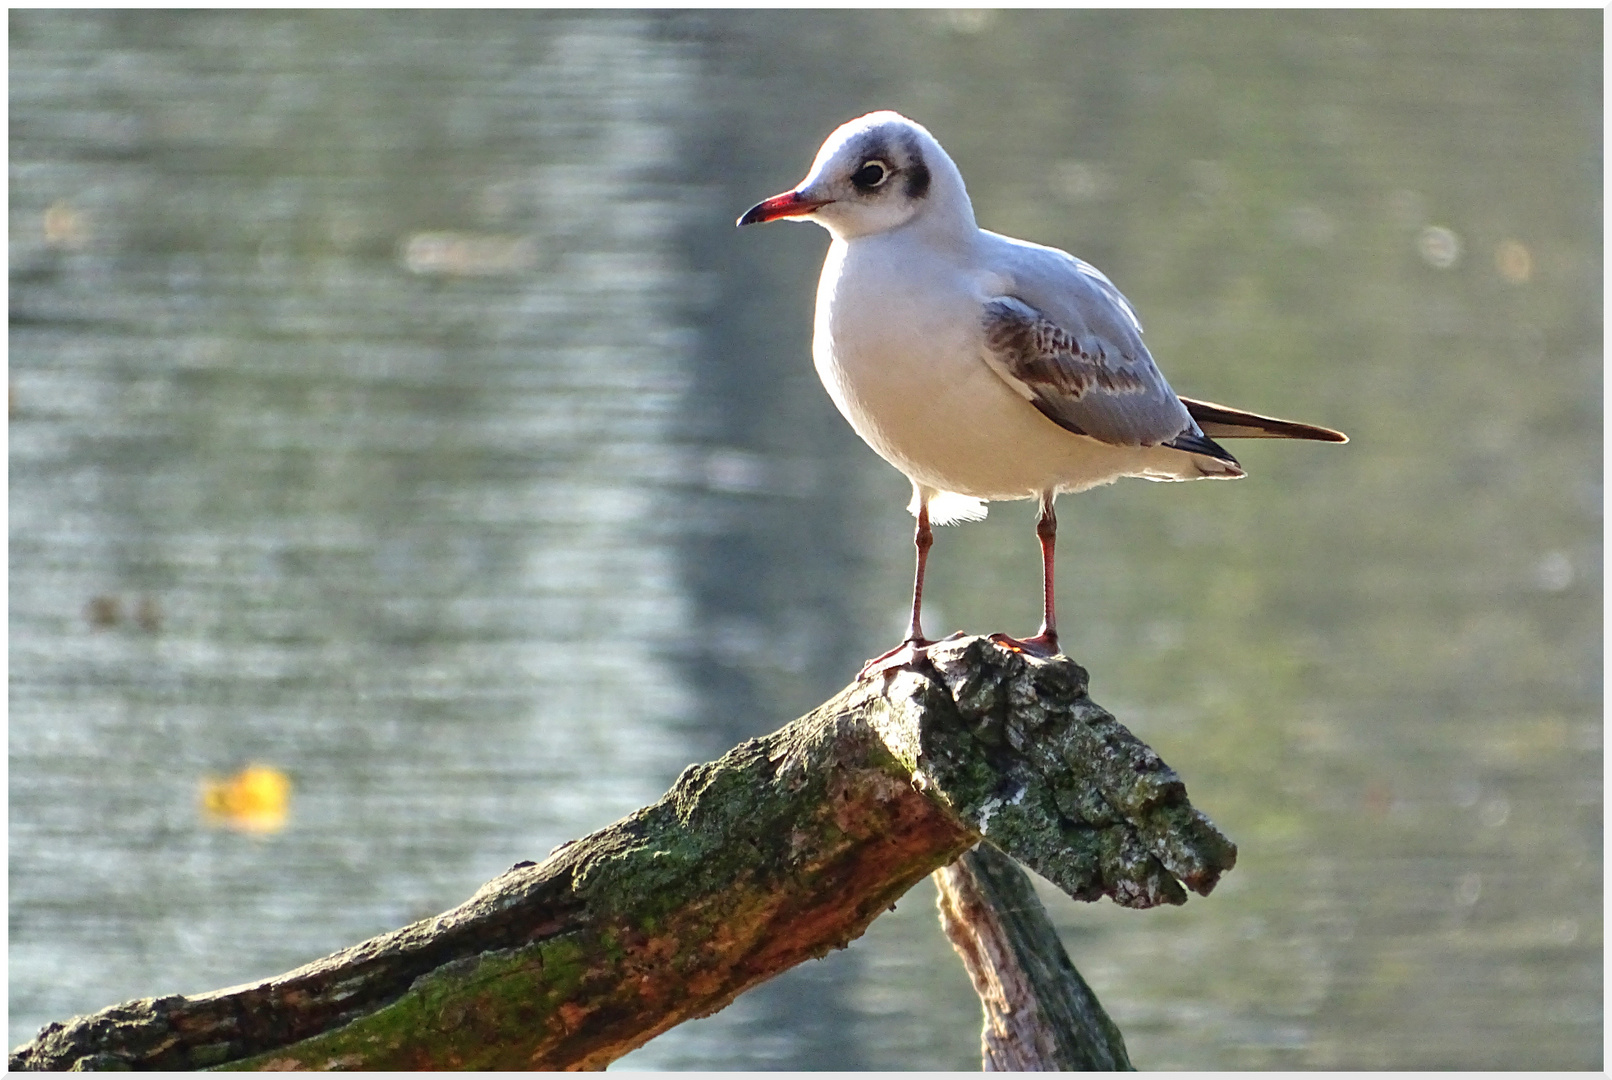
{"x":1202,"y":444}
{"x":1229,"y":423}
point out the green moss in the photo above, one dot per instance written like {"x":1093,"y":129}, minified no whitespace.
{"x":612,"y":946}
{"x":564,"y":963}
{"x":487,"y":1011}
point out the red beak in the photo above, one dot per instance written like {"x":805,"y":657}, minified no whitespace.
{"x":789,"y":204}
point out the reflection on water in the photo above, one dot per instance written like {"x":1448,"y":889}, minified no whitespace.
{"x":392,"y":403}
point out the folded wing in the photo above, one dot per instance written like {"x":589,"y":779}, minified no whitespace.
{"x":1069,"y":342}
{"x":1102,"y":385}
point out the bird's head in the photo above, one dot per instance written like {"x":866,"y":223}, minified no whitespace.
{"x":873,"y":174}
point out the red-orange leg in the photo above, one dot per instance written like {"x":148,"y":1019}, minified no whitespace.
{"x":1044,"y":643}
{"x":912,"y":648}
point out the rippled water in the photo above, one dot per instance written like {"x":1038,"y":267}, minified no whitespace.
{"x":393,"y":403}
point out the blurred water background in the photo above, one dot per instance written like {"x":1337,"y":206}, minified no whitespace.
{"x":394,"y":404}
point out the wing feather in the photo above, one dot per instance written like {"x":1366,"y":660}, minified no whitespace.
{"x":1084,"y":382}
{"x":1229,"y":423}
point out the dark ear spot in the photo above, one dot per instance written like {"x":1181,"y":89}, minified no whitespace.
{"x":917,"y":172}
{"x":917,"y":179}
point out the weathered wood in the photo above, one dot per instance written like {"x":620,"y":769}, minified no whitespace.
{"x":784,"y":848}
{"x":1040,"y":1016}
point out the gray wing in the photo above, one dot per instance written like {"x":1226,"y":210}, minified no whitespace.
{"x":1067,"y":340}
{"x":1087,"y":383}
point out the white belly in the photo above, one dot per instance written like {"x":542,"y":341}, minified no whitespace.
{"x":906,"y":368}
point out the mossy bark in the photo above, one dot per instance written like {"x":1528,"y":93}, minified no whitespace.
{"x":786,"y":847}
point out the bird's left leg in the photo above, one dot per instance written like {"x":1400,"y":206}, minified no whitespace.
{"x":912,"y":648}
{"x":1044,"y":643}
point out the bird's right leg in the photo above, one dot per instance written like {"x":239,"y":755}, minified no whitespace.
{"x":911,"y":649}
{"x":1045,"y":643}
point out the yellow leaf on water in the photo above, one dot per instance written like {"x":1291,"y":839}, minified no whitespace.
{"x":256,"y":799}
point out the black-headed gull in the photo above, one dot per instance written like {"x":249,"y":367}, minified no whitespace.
{"x":981,"y":366}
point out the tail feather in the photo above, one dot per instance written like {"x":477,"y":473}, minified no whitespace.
{"x":947,"y":507}
{"x":1220,"y":421}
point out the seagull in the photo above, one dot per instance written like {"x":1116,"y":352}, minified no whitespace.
{"x":982,"y":367}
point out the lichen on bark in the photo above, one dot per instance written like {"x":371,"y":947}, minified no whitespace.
{"x":1052,"y":778}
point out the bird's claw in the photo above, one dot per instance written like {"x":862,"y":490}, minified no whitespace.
{"x":1044,"y":644}
{"x":910,"y":653}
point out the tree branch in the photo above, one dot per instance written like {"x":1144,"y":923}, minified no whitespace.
{"x":1040,"y":1016}
{"x":784,"y":848}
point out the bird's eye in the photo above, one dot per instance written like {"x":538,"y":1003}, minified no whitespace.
{"x":871,"y":175}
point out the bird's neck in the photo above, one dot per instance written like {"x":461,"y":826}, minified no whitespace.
{"x":943,"y":231}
